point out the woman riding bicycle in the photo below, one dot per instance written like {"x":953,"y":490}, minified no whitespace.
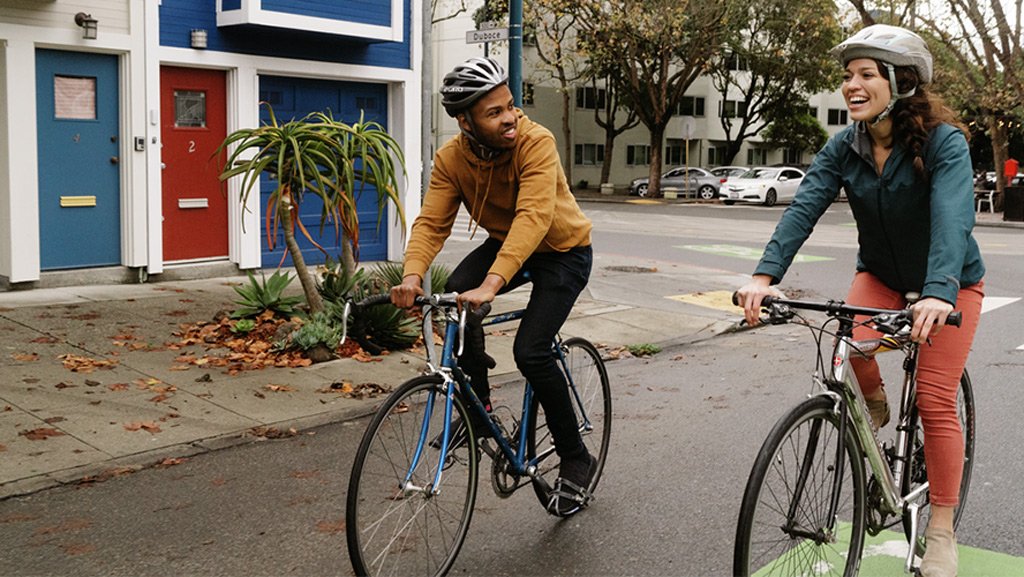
{"x":906,"y":169}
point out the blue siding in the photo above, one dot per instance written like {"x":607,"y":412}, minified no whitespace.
{"x":376,"y":12}
{"x":294,"y":98}
{"x":231,"y":5}
{"x":179,"y":17}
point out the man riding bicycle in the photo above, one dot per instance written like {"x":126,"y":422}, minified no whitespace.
{"x":505,"y":169}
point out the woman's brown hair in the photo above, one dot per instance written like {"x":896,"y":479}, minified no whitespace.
{"x":914,"y":117}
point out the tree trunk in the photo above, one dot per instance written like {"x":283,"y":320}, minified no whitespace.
{"x":999,"y":156}
{"x":316,"y":304}
{"x":657,"y":137}
{"x":606,"y":165}
{"x":348,"y":259}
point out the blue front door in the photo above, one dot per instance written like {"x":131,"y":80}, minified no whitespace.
{"x":294,"y":98}
{"x":78,"y":148}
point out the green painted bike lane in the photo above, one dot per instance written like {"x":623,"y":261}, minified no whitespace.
{"x":885,"y":554}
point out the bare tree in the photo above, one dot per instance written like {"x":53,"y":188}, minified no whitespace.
{"x":441,"y":10}
{"x":605,"y":118}
{"x":779,"y":59}
{"x":654,"y":50}
{"x":553,"y":26}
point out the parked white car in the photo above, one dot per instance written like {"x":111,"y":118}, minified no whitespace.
{"x":763,"y":185}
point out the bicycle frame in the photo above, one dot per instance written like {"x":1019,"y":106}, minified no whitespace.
{"x":843,"y":383}
{"x":455,"y":380}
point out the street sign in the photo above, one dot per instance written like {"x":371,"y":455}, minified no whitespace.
{"x":689,"y":127}
{"x":490,"y":35}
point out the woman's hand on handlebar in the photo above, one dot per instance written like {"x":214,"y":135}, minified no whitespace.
{"x":751,"y":295}
{"x":404,"y":295}
{"x":483,"y":293}
{"x":929,"y":317}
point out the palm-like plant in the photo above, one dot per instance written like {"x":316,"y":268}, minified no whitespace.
{"x":324,"y":157}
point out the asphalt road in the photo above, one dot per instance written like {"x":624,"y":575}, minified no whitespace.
{"x":687,"y":426}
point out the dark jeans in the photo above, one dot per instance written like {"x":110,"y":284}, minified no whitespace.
{"x":558,"y":278}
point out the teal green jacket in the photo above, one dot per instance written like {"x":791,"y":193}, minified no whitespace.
{"x":914,"y":236}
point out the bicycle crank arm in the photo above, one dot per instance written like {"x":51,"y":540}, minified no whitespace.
{"x":538,"y":479}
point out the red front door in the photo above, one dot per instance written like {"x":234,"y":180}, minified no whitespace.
{"x":193,"y":118}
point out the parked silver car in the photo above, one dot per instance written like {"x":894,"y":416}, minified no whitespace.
{"x":701,"y":182}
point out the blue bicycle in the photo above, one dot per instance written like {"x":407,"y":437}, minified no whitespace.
{"x":414,"y":480}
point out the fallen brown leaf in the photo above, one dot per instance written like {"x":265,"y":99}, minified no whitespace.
{"x":77,"y":364}
{"x":170,"y":462}
{"x":41,"y":434}
{"x":78,"y":548}
{"x":330,"y":527}
{"x":271,"y":432}
{"x":305,"y":474}
{"x":28,"y":357}
{"x":118,"y":387}
{"x":278,"y":388}
{"x":73,"y":525}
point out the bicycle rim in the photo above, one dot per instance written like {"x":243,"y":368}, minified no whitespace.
{"x":918,"y":473}
{"x":771,"y":541}
{"x":412,"y":532}
{"x":592,"y":405}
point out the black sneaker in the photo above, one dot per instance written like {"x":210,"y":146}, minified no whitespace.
{"x":570,"y":493}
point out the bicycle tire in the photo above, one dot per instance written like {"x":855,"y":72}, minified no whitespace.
{"x":416,"y":533}
{"x":917,"y":473}
{"x":763,"y":544}
{"x":593,"y":392}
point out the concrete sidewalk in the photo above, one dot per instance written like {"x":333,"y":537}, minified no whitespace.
{"x":138,"y":405}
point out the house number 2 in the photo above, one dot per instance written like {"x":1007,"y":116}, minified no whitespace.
{"x":191,"y":146}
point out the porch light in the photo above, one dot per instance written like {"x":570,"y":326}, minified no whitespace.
{"x":88,"y":25}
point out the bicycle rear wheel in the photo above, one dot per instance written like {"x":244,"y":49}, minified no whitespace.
{"x":784,"y":526}
{"x":918,"y":474}
{"x":591,"y":398}
{"x":411,"y":531}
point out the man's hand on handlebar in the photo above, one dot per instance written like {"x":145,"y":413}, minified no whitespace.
{"x":484,"y":293}
{"x":929,"y":317}
{"x":751,"y":295}
{"x":404,"y":295}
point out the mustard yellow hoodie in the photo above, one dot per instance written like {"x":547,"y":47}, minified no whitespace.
{"x":520,"y":197}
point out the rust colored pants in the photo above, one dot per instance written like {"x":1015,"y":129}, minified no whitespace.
{"x":938,"y":378}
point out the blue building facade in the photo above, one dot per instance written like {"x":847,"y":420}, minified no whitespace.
{"x":154,"y":91}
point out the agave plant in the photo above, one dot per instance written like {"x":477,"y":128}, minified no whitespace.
{"x":316,"y":155}
{"x":392,"y":273}
{"x":258,"y":297}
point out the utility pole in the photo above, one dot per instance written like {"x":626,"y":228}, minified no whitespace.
{"x":515,"y":50}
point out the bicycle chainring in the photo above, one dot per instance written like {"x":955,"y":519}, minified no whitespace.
{"x":503,"y":480}
{"x":875,"y":518}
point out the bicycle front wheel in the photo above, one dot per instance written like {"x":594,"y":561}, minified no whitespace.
{"x":404,"y":527}
{"x":918,"y":474}
{"x":591,"y":397}
{"x":785,"y":527}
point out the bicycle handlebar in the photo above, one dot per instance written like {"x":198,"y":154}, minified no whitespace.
{"x":840,"y":308}
{"x":446,"y":300}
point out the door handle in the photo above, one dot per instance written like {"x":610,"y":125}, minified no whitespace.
{"x":113,"y":160}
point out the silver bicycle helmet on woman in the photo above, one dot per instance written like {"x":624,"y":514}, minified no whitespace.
{"x":469,"y":82}
{"x":894,"y":46}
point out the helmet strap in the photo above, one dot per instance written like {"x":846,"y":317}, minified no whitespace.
{"x":895,"y":95}
{"x":485,"y":152}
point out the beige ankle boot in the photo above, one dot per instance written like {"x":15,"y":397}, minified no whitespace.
{"x":879,"y":411}
{"x":940,"y":559}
